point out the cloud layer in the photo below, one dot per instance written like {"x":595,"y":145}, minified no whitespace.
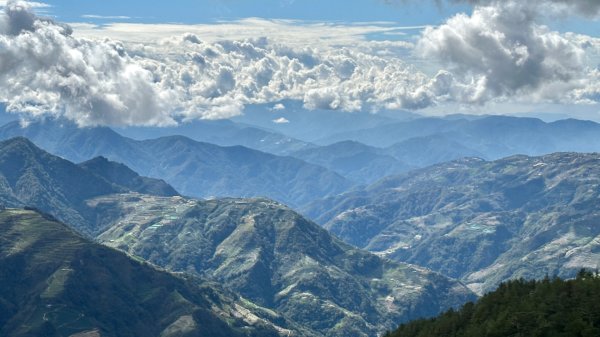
{"x":504,"y":50}
{"x":498,"y":52}
{"x":45,"y":69}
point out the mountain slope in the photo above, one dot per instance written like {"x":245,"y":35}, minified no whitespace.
{"x":429,"y":150}
{"x":32,"y":177}
{"x":122,"y":175}
{"x":353,"y":160}
{"x":519,"y":308}
{"x":193,"y":168}
{"x":276,"y":258}
{"x":200,"y":169}
{"x":482,"y":222}
{"x":223,"y":133}
{"x":55,"y":283}
{"x":493,"y":137}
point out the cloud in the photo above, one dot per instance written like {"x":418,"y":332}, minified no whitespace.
{"x":106,"y":17}
{"x":278,"y":107}
{"x":44,"y":69}
{"x":281,"y":120}
{"x":587,"y":8}
{"x":133,"y":74}
{"x":503,"y":51}
{"x":30,"y":4}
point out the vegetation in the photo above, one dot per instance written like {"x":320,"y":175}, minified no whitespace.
{"x":550,"y":307}
{"x":482,"y":222}
{"x":32,"y":177}
{"x":192,"y":168}
{"x":55,"y":283}
{"x":278,"y":259}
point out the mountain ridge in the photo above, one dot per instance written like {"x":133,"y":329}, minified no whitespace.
{"x":481,"y":222}
{"x":193,"y":168}
{"x":60,"y":284}
{"x":276,"y":258}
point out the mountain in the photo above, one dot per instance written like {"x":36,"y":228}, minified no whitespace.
{"x":388,"y":134}
{"x":520,"y":308}
{"x":206,"y":170}
{"x":493,"y":137}
{"x":353,"y":160}
{"x":55,"y":283}
{"x":277,"y":259}
{"x":481,"y":222}
{"x":193,"y":168}
{"x":30,"y":176}
{"x":122,"y":175}
{"x":292,"y":119}
{"x":223,"y":133}
{"x":429,"y":150}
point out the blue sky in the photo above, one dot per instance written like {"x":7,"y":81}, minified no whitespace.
{"x":409,"y":13}
{"x":189,"y":11}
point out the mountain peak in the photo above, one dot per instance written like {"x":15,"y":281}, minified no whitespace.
{"x":276,"y":258}
{"x":61,"y":284}
{"x":21,"y":143}
{"x":120,"y":174}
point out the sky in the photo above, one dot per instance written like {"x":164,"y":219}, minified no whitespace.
{"x":158,"y":63}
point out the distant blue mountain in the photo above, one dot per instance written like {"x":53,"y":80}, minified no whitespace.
{"x":492,"y":137}
{"x":355,"y":161}
{"x":193,"y":168}
{"x":293,"y":120}
{"x":224,"y":133}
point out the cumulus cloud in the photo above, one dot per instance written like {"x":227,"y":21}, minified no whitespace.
{"x":588,"y":8}
{"x":44,"y":69}
{"x":499,"y":51}
{"x":278,"y":107}
{"x":503,"y":51}
{"x":31,"y":4}
{"x":281,"y":120}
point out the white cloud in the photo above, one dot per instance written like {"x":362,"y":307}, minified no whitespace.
{"x":278,"y":107}
{"x":44,"y":69}
{"x":106,"y":17}
{"x":30,"y":4}
{"x":289,"y":32}
{"x":500,"y":51}
{"x":588,"y":8}
{"x":281,"y":120}
{"x":125,"y":74}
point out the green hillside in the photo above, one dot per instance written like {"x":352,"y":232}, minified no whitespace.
{"x":482,"y":222}
{"x":278,"y":259}
{"x":549,"y":308}
{"x":55,"y":283}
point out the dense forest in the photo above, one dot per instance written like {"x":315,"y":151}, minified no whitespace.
{"x":550,"y":307}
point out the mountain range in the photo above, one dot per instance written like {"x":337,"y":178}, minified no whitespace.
{"x":481,"y":222}
{"x":493,"y":137}
{"x":193,"y":168}
{"x":360,"y":156}
{"x":291,"y":118}
{"x":30,"y":176}
{"x":223,"y":133}
{"x":55,"y":283}
{"x":276,"y":258}
{"x":355,"y":161}
{"x":281,"y":262}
